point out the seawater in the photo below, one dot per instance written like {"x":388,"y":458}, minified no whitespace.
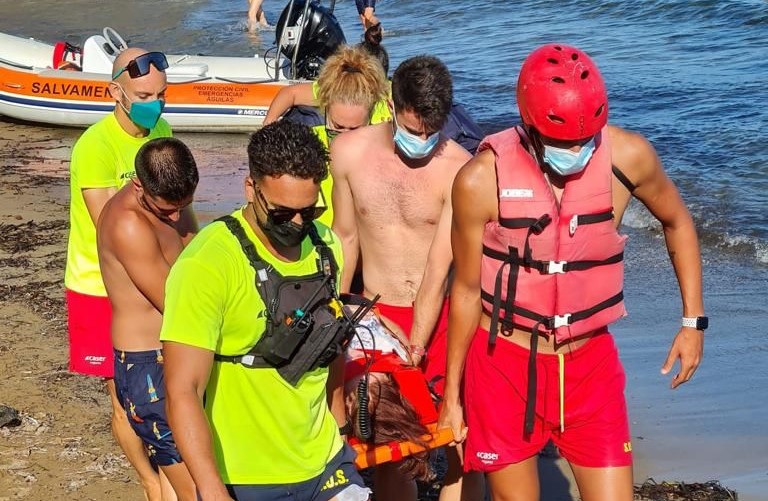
{"x":689,"y":75}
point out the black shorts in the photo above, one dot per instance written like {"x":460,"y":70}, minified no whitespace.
{"x":364,"y":4}
{"x":340,"y":474}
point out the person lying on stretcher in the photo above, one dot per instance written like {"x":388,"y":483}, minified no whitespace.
{"x":387,"y":398}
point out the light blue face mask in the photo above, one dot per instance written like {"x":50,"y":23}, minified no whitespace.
{"x":566,"y":162}
{"x":144,"y":113}
{"x":413,"y":146}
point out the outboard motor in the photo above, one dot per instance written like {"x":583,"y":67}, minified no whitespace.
{"x":308,"y":41}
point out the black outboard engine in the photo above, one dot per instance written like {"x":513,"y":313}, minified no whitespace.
{"x":309,"y":40}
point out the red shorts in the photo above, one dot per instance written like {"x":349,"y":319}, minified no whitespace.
{"x":594,"y":431}
{"x":90,"y":342}
{"x":437,"y":351}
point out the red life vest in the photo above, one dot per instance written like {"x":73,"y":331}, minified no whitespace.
{"x":549,"y":269}
{"x":410,"y":380}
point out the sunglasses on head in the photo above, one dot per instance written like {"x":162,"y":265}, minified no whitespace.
{"x":281,"y":215}
{"x":140,"y":66}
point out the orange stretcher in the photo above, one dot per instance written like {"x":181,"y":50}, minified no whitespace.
{"x":371,"y":455}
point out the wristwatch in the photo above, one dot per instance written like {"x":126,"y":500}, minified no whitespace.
{"x":698,"y":323}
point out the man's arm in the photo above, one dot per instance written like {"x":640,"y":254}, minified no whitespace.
{"x":95,"y":200}
{"x":335,"y":390}
{"x":635,"y":156}
{"x":186,"y":370}
{"x":431,"y":293}
{"x":135,"y":246}
{"x":344,"y":218}
{"x":474,"y":204}
{"x":287,"y":97}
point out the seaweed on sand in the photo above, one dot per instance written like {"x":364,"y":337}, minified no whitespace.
{"x":650,"y":490}
{"x":27,"y":236}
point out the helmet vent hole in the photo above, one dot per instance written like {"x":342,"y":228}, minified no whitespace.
{"x":555,"y":119}
{"x":584,"y":74}
{"x":557,"y":47}
{"x":574,"y":56}
{"x":559,"y":80}
{"x":553,"y":60}
{"x":600,"y":110}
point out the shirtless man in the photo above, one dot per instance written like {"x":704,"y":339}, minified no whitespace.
{"x":539,"y":276}
{"x":140,"y":233}
{"x":392,"y":199}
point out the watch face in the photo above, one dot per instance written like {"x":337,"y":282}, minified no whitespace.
{"x":702,"y":323}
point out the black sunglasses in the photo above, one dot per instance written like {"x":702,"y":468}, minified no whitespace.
{"x":282,"y":215}
{"x":140,"y":66}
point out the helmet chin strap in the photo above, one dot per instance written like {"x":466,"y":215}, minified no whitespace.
{"x":535,"y":146}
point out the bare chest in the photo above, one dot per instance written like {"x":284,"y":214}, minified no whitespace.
{"x":398,"y":196}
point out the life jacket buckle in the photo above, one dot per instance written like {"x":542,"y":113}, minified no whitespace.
{"x":561,"y":320}
{"x":573,"y":224}
{"x":556,"y":267}
{"x":247,"y":360}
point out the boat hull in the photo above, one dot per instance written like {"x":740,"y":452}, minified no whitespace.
{"x":205,"y":93}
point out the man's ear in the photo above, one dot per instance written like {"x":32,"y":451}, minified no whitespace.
{"x":114,"y":90}
{"x":250,"y":188}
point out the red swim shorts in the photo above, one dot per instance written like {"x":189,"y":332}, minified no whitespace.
{"x":90,"y":342}
{"x":590,"y":428}
{"x":437,"y":350}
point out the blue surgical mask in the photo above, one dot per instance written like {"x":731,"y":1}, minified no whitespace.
{"x":144,"y":113}
{"x":413,"y":146}
{"x":566,"y":162}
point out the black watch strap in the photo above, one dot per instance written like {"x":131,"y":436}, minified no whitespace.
{"x":346,"y":429}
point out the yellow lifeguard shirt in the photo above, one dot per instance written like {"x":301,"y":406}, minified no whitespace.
{"x":264,"y":430}
{"x":103,"y":157}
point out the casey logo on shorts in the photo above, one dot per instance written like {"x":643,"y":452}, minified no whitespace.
{"x":487,"y":457}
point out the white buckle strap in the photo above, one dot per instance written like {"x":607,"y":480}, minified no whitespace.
{"x":562,"y":320}
{"x":556,"y":267}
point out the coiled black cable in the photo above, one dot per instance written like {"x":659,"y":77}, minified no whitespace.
{"x":364,"y":427}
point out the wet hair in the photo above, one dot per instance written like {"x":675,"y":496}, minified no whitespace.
{"x":422,"y":85}
{"x":351,"y":76}
{"x":396,"y":420}
{"x":166,"y":169}
{"x":287,"y":148}
{"x":372,"y":45}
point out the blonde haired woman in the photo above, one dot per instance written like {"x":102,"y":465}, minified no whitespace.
{"x":351,"y":92}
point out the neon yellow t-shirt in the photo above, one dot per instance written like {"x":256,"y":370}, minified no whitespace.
{"x":379,"y":114}
{"x":103,"y":157}
{"x":264,"y":430}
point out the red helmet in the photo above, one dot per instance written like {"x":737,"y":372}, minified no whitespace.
{"x":561,"y":94}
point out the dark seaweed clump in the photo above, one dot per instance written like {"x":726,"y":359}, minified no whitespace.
{"x":650,"y":490}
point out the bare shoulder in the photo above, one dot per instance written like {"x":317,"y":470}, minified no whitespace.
{"x":349,"y":148}
{"x":126,"y":228}
{"x":475,"y":184}
{"x":454,"y":155}
{"x":633,"y":154}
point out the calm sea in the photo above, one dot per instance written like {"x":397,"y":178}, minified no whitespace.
{"x":690,"y":75}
